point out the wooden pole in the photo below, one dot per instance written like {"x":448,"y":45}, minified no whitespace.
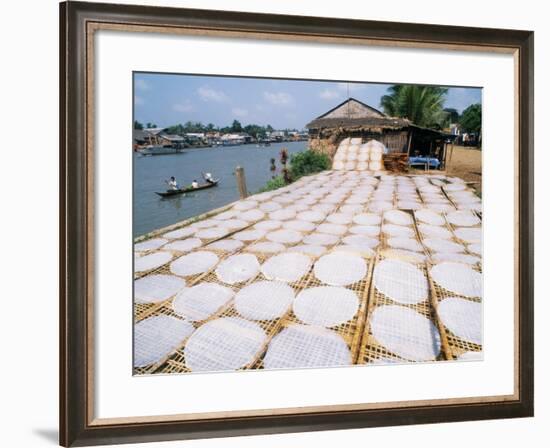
{"x":241,"y":182}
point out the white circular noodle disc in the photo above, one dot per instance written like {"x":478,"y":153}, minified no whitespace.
{"x":300,"y":346}
{"x":458,"y":278}
{"x":309,"y":249}
{"x":238,"y":268}
{"x":251,"y":215}
{"x":300,"y":226}
{"x":249,"y":235}
{"x":441,"y":245}
{"x":264,"y":300}
{"x":405,"y":333}
{"x":180,"y":233}
{"x":401,"y":281}
{"x":285,"y":236}
{"x":463,"y":318}
{"x":282,"y":215}
{"x":194,"y":263}
{"x":470,"y":356}
{"x":270,"y":206}
{"x":475,"y":248}
{"x":405,"y":243}
{"x":431,"y":231}
{"x":325,"y":306}
{"x":151,"y":261}
{"x":158,"y":336}
{"x":228,"y":245}
{"x":234,"y":223}
{"x":340,"y":269}
{"x":322,"y":239}
{"x":266,"y":247}
{"x":367,"y":219}
{"x":398,"y":217}
{"x":151,"y":244}
{"x":404,"y":255}
{"x":225,"y":215}
{"x":268,"y":225}
{"x":214,"y":232}
{"x":228,"y":343}
{"x":358,"y":249}
{"x":463,"y":218}
{"x":399,"y":231}
{"x":157,"y":288}
{"x":287,"y":267}
{"x":340,"y":218}
{"x":332,"y":229}
{"x":201,"y":301}
{"x":468,"y":234}
{"x":184,"y":245}
{"x":312,"y":216}
{"x":456,"y":258}
{"x":245,"y":205}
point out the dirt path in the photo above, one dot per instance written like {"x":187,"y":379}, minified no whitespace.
{"x":465,"y":163}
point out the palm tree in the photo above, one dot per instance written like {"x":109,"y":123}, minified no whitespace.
{"x":422,"y":105}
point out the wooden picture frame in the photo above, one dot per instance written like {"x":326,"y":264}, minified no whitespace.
{"x":78,"y":22}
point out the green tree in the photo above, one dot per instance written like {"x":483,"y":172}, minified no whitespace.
{"x":470,"y":120}
{"x":236,"y":126}
{"x":138,"y":125}
{"x":423,"y":105}
{"x":452,"y":115}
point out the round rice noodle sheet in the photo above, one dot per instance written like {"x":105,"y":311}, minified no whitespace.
{"x":398,"y":217}
{"x":238,"y":268}
{"x":268,"y":225}
{"x":262,"y":196}
{"x":340,"y":218}
{"x":457,"y":258}
{"x":455,"y":187}
{"x":270,"y":206}
{"x":309,"y":249}
{"x":301,"y":346}
{"x":352,"y":156}
{"x":357,"y":199}
{"x":475,"y":248}
{"x":204,"y":224}
{"x":359,"y":249}
{"x":470,"y":356}
{"x":351,"y":209}
{"x":284,"y":199}
{"x":251,"y":215}
{"x":180,"y":233}
{"x":409,"y":205}
{"x":156,"y":288}
{"x":401,"y":281}
{"x":227,"y":245}
{"x":234,"y":223}
{"x":379,"y":206}
{"x":212,"y":233}
{"x":363,"y":157}
{"x":249,"y":235}
{"x":468,"y":234}
{"x":312,"y":216}
{"x":332,"y":229}
{"x":158,"y":336}
{"x":405,"y":243}
{"x":428,"y":230}
{"x":225,"y":215}
{"x":229,"y":343}
{"x":430,"y":189}
{"x":266,"y":247}
{"x":245,"y":205}
{"x":404,"y":255}
{"x":350,"y":165}
{"x":340,"y":156}
{"x":405,"y":332}
{"x":399,"y":231}
{"x":458,"y":278}
{"x":375,"y":159}
{"x":323,"y":208}
{"x":440,"y":208}
{"x":300,"y":226}
{"x":322,"y":239}
{"x":201,"y":301}
{"x":367,"y":219}
{"x":441,"y":245}
{"x":285,"y":236}
{"x":362,"y":239}
{"x":326,"y":306}
{"x":463,"y":218}
{"x":184,"y":245}
{"x":194,"y":263}
{"x":474,"y":207}
{"x":362,"y":166}
{"x":463,"y":318}
{"x":372,"y":231}
{"x":338,"y":165}
{"x":264,"y":300}
{"x":151,"y":244}
{"x":340,"y":269}
{"x":287,"y":267}
{"x":282,"y":215}
{"x":151,"y":261}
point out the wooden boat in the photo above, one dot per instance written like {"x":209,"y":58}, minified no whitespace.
{"x":187,"y":189}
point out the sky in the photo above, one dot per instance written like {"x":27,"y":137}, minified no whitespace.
{"x":169,"y":99}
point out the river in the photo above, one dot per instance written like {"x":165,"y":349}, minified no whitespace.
{"x":152,"y":212}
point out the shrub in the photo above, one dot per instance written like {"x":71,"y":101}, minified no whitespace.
{"x":308,"y":162}
{"x":273,"y":184}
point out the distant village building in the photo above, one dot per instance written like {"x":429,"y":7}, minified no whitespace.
{"x":353,"y":118}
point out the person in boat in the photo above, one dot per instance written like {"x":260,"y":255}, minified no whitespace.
{"x":208,"y":178}
{"x":172,"y":183}
{"x":194,"y":184}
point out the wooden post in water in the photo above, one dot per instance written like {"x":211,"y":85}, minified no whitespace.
{"x":241,"y":182}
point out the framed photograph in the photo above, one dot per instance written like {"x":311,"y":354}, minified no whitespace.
{"x":277,"y":224}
